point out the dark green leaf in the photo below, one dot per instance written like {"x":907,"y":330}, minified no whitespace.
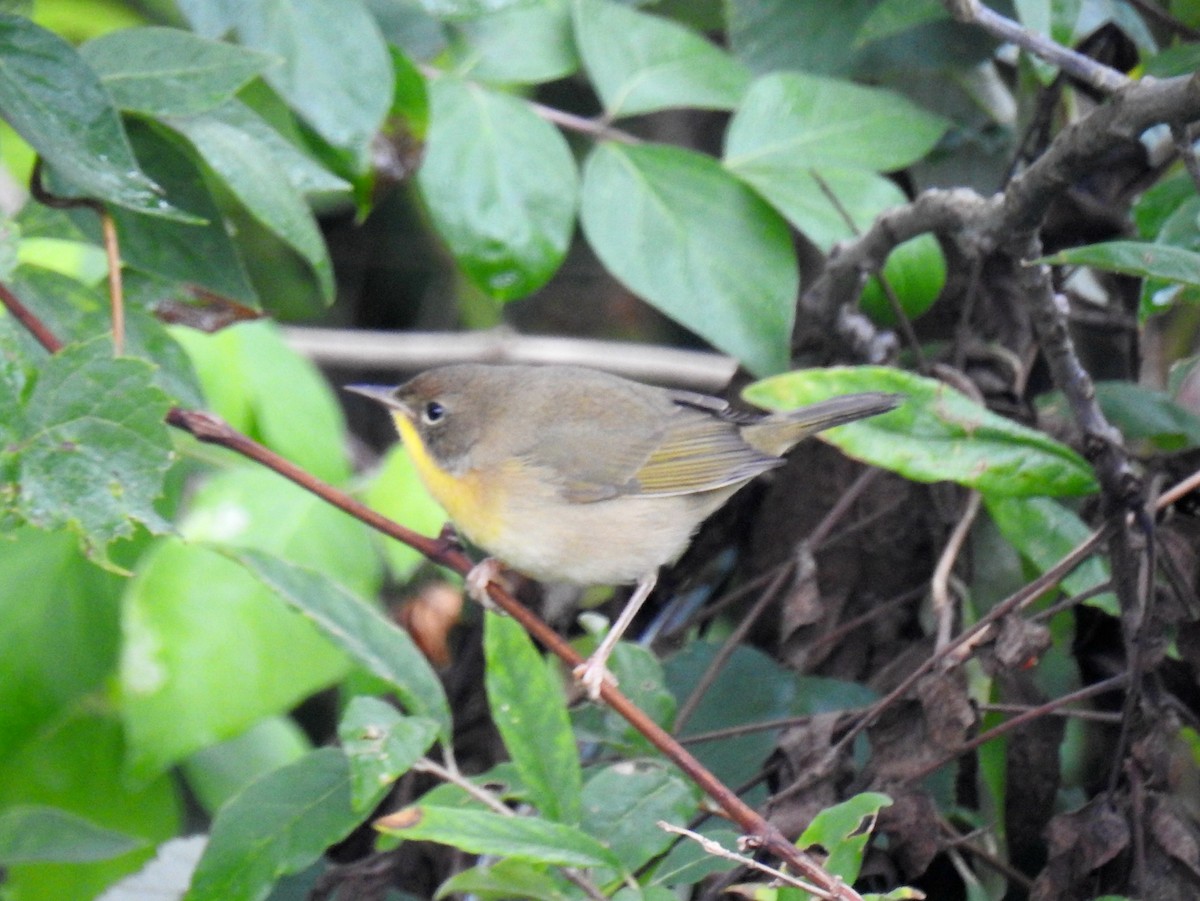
{"x":530,"y":711}
{"x":168,"y":72}
{"x":1147,"y":417}
{"x":336,"y":71}
{"x":249,"y":168}
{"x":90,"y":448}
{"x":790,"y":122}
{"x":476,"y":832}
{"x":1045,"y":531}
{"x":641,"y":63}
{"x":812,"y":35}
{"x":697,"y":244}
{"x":381,"y":745}
{"x":501,"y":186}
{"x":843,"y":831}
{"x":218,"y":772}
{"x":202,"y":635}
{"x":936,"y":435}
{"x":687,"y":863}
{"x":31,"y":834}
{"x":383,"y":648}
{"x":894,"y":16}
{"x":526,"y":44}
{"x":200,"y":252}
{"x":77,"y":130}
{"x":623,"y":804}
{"x":1134,"y":258}
{"x":506,"y":879}
{"x":278,"y":825}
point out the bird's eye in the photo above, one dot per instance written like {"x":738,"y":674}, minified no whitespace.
{"x":433,"y":412}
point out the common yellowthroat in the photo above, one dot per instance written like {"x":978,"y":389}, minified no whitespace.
{"x":574,"y":475}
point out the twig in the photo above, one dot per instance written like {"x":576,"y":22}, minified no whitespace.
{"x":32,"y":324}
{"x":939,"y":588}
{"x":1085,"y":69}
{"x":716,"y":849}
{"x":116,"y":293}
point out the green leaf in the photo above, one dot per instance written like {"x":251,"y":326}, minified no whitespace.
{"x":916,"y":272}
{"x":519,"y":837}
{"x":199,"y":252}
{"x":892,"y":17}
{"x":381,"y":746}
{"x":1044,"y":531}
{"x":641,"y":63}
{"x":88,"y":448}
{"x":623,"y":804}
{"x":249,"y":168}
{"x":168,"y":72}
{"x":1134,"y":258}
{"x":66,"y":610}
{"x":77,"y":765}
{"x":77,"y":131}
{"x":336,"y":71}
{"x":1145,"y":416}
{"x":503,"y":880}
{"x":687,"y":863}
{"x":843,"y":830}
{"x":525,"y":44}
{"x":697,"y":244}
{"x":31,"y":834}
{"x":209,"y":651}
{"x":937,"y":435}
{"x":262,"y":387}
{"x":790,"y":122}
{"x":360,"y":630}
{"x":278,"y":825}
{"x":501,"y":187}
{"x":788,"y":34}
{"x":218,"y":772}
{"x":530,"y":711}
{"x":396,"y":491}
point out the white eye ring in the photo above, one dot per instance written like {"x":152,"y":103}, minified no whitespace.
{"x":433,"y":412}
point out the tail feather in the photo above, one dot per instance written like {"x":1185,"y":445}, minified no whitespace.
{"x":778,"y":433}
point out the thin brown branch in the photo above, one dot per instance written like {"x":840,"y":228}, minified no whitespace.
{"x":116,"y":292}
{"x":26,"y":317}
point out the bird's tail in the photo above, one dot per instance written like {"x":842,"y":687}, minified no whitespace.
{"x":777,"y":433}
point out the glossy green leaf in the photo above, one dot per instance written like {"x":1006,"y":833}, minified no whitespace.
{"x":262,"y":387}
{"x":530,"y":711}
{"x":278,"y":825}
{"x":169,"y":72}
{"x":477,"y":832}
{"x":361,"y":631}
{"x":86,"y":446}
{"x":936,"y":435}
{"x":1134,"y":258}
{"x":916,"y":272}
{"x":336,"y":71}
{"x":77,"y":131}
{"x":201,"y":252}
{"x":624,"y":802}
{"x":32,"y":834}
{"x":529,"y":43}
{"x":78,"y":766}
{"x":381,"y":745}
{"x":640,"y":63}
{"x":697,"y":244}
{"x":209,"y":651}
{"x":501,"y":187}
{"x":843,"y":831}
{"x":249,"y":168}
{"x":1044,"y":531}
{"x":790,"y":122}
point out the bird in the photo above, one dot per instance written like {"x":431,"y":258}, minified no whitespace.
{"x":570,"y":474}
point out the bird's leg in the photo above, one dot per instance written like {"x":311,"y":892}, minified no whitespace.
{"x":593,"y":672}
{"x":480,"y":576}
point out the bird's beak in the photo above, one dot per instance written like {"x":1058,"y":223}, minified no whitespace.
{"x":383,"y":394}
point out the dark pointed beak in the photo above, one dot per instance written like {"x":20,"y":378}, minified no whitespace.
{"x":383,"y":394}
